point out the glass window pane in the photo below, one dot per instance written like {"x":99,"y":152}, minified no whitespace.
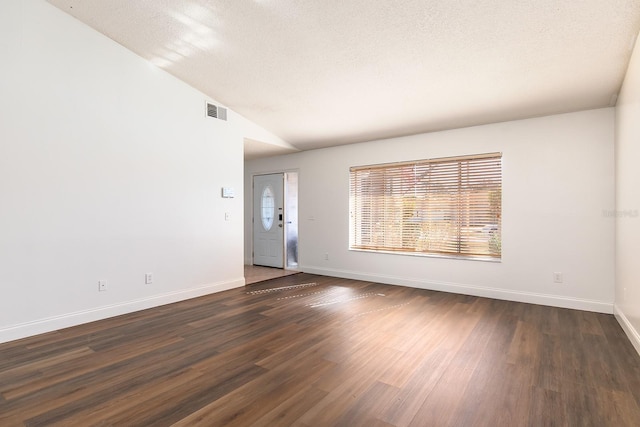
{"x":267,"y":207}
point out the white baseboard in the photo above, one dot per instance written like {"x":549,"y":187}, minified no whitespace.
{"x":479,"y":291}
{"x":49,"y":324}
{"x":628,"y":328}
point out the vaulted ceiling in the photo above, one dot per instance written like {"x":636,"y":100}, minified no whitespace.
{"x":320,"y":73}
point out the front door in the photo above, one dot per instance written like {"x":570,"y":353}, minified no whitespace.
{"x":268,"y":220}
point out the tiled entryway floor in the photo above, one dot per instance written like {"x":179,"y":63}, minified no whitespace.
{"x":256,"y":273}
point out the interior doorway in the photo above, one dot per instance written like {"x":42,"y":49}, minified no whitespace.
{"x":275,"y":220}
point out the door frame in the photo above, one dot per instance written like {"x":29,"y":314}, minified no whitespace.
{"x":251,"y":208}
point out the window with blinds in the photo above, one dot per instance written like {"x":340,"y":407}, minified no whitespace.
{"x":449,"y":206}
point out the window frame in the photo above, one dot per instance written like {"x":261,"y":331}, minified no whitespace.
{"x":478,"y":184}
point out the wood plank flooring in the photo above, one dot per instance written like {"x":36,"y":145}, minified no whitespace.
{"x":307,"y":350}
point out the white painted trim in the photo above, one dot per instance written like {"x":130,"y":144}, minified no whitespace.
{"x":479,"y":291}
{"x":54,"y":323}
{"x":627,"y":327}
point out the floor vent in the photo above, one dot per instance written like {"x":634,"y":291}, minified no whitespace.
{"x":216,"y":112}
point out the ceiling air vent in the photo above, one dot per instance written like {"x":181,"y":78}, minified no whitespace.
{"x":216,"y":112}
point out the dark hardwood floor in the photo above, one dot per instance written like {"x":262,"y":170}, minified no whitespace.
{"x":316,"y":351}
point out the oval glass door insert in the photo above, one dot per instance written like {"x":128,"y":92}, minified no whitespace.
{"x":267,"y":208}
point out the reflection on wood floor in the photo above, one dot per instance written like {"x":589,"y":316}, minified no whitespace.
{"x":256,"y":273}
{"x":308,"y":350}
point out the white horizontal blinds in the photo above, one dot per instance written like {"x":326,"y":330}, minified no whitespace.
{"x":441,"y":206}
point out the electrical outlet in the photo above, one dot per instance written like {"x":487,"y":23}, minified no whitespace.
{"x":557,"y":277}
{"x":102,"y":285}
{"x":326,"y":256}
{"x":148,"y":278}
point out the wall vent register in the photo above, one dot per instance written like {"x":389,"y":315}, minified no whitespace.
{"x":216,"y":111}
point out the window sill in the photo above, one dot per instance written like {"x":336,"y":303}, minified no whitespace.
{"x":427,"y":255}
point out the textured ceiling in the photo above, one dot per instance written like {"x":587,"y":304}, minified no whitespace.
{"x":329,"y":72}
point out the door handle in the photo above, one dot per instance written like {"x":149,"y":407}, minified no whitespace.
{"x":280,"y":225}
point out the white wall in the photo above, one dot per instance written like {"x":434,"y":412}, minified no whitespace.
{"x":628,"y":202}
{"x":251,"y":130}
{"x":558,"y":179}
{"x":108,"y":170}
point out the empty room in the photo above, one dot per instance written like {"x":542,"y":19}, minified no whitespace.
{"x":319,"y":213}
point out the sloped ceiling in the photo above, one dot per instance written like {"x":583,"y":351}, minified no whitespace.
{"x":320,"y":73}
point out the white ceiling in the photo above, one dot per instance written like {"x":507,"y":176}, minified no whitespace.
{"x":320,"y":73}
